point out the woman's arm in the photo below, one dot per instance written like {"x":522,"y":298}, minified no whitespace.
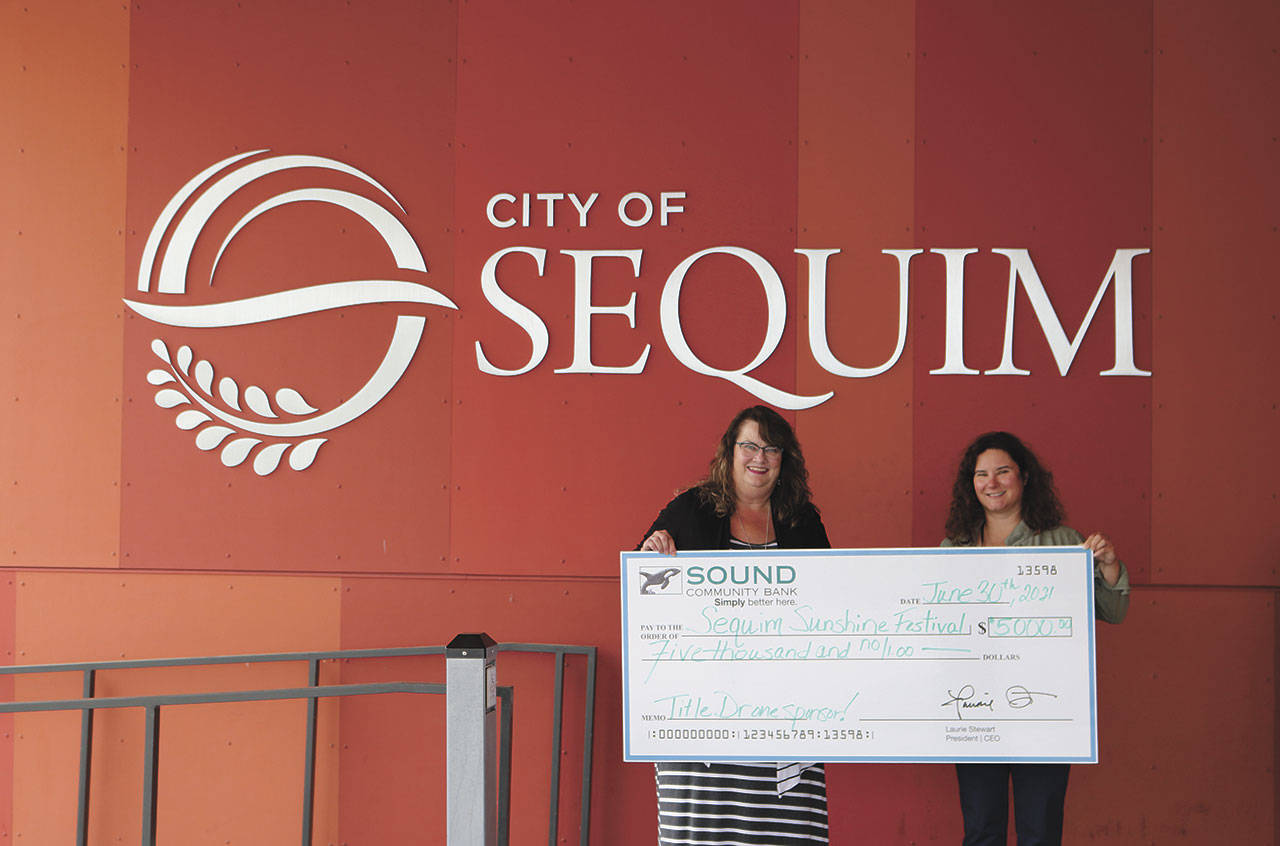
{"x":673,"y":521}
{"x":659,"y":540}
{"x":1110,"y":580}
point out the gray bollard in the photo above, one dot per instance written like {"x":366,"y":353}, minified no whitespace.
{"x":471,"y":699}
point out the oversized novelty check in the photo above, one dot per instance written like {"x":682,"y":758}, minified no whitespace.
{"x":860,"y":655}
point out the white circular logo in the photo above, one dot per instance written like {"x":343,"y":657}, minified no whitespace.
{"x":217,"y":413}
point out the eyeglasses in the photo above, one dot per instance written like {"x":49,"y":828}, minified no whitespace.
{"x":750,"y":448}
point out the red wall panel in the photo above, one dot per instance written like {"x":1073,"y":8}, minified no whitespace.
{"x":1216,"y":246}
{"x":372,"y":89}
{"x":1010,"y":110}
{"x":1187,"y":729}
{"x":857,"y":84}
{"x":694,"y":98}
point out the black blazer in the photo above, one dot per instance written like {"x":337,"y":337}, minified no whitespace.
{"x":694,"y":525}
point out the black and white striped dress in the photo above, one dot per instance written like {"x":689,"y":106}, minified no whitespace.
{"x":741,"y":804}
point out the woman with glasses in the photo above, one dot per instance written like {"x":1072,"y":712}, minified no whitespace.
{"x":755,"y":496}
{"x":1004,"y":496}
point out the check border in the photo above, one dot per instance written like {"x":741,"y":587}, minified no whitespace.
{"x":629,"y":595}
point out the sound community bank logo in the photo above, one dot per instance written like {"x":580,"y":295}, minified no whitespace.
{"x":661,"y":581}
{"x":239,"y":423}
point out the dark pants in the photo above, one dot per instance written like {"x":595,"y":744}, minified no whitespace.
{"x":1039,"y":793}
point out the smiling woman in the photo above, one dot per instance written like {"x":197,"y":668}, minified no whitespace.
{"x":1004,"y":496}
{"x":998,"y":483}
{"x":755,"y":496}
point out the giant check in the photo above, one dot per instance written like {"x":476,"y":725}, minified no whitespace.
{"x":860,"y":655}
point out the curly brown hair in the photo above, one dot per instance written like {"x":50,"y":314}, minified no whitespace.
{"x":1041,"y":508}
{"x":790,"y":495}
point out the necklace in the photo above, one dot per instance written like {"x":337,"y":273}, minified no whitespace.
{"x":742,"y":524}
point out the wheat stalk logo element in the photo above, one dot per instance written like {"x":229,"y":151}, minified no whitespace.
{"x":290,"y":426}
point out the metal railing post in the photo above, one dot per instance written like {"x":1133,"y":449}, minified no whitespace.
{"x":588,"y":745}
{"x":557,"y":743}
{"x":471,"y":700}
{"x":309,"y":765}
{"x":506,"y":695}
{"x":86,"y":761}
{"x":150,"y":775}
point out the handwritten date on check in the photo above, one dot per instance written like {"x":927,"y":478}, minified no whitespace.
{"x":859,"y":655}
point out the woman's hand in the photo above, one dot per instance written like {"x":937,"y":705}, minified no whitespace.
{"x":659,"y":541}
{"x":1104,"y":553}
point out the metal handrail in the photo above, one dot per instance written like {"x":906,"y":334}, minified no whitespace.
{"x":89,"y":703}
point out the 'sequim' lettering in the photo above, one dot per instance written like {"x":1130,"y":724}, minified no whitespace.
{"x":1022,"y":273}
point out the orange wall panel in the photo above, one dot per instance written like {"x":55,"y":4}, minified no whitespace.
{"x":385,"y":774}
{"x":65,"y":101}
{"x":248,"y":754}
{"x":468,"y":501}
{"x":7,"y":595}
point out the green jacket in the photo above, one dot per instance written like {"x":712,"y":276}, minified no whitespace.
{"x":1111,"y":602}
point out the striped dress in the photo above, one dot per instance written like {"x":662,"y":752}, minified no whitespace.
{"x":741,"y":804}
